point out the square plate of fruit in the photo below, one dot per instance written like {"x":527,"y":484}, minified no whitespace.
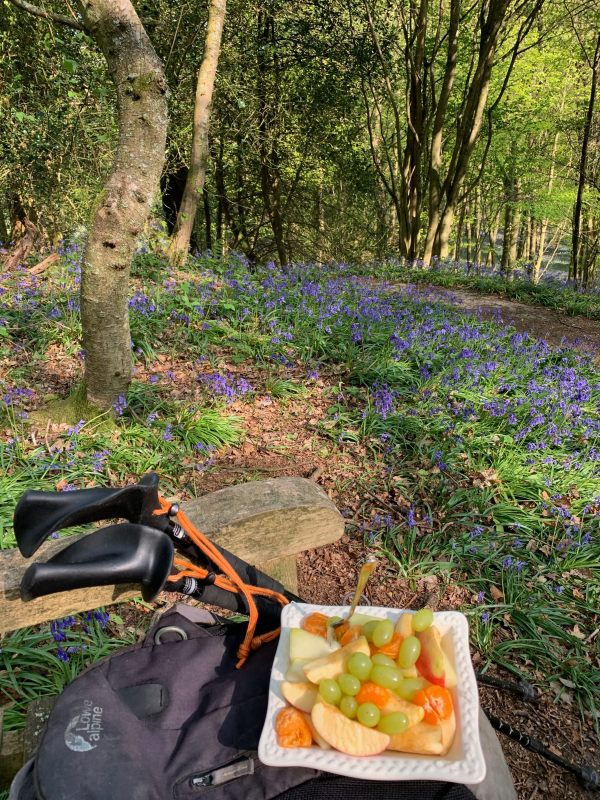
{"x":388,"y":695}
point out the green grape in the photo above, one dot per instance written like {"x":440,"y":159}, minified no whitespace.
{"x":389,"y":677}
{"x":409,"y":652}
{"x":383,"y":633}
{"x":383,"y":661}
{"x":368,"y":628}
{"x":422,"y":620}
{"x":396,"y":722}
{"x":349,"y":684}
{"x":359,"y":665}
{"x":368,"y":714}
{"x":348,"y":706}
{"x":409,"y":687}
{"x":330,"y":691}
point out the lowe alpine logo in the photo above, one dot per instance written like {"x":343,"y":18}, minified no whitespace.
{"x":84,"y":731}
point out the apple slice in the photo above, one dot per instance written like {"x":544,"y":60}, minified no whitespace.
{"x":334,"y":664}
{"x":306,"y":645}
{"x":427,"y":740}
{"x":414,"y":713}
{"x":404,"y":626}
{"x":431,"y":662}
{"x":346,"y":735}
{"x":300,"y":695}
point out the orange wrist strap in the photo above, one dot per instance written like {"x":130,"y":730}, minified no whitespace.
{"x":229,"y":581}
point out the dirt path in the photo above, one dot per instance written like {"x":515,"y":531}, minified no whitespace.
{"x":557,"y":329}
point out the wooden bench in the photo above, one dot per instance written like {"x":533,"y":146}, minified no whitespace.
{"x":267,"y":523}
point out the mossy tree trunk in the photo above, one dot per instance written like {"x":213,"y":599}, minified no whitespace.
{"x":125,"y":202}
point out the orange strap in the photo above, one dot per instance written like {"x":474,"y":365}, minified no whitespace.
{"x":230,"y":581}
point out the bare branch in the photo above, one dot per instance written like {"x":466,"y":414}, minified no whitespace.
{"x":49,"y":15}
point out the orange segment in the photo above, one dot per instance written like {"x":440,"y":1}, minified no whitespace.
{"x":370,"y":692}
{"x":315,"y":623}
{"x":292,"y":729}
{"x":436,"y":703}
{"x":351,"y":635}
{"x":392,"y":648}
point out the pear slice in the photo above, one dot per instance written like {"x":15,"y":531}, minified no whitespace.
{"x":424,"y":739}
{"x":317,"y":738}
{"x":334,"y":664}
{"x":300,"y":695}
{"x":450,"y":672}
{"x":409,"y":672}
{"x":414,"y":713}
{"x":345,"y":734}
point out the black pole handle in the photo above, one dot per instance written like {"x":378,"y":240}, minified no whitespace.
{"x":39,"y":514}
{"x":118,"y":554}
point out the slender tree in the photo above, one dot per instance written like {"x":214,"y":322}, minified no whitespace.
{"x":180,"y":240}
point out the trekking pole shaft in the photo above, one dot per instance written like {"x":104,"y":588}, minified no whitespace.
{"x":585,"y":774}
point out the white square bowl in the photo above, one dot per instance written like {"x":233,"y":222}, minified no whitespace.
{"x":464,"y":763}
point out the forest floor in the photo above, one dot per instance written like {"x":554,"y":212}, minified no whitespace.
{"x":299,"y":423}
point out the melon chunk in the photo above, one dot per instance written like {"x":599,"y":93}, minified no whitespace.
{"x":334,"y":664}
{"x":306,"y":645}
{"x":295,"y":670}
{"x":346,"y":735}
{"x":300,"y":695}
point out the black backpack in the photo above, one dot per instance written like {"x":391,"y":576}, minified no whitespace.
{"x":171,"y":718}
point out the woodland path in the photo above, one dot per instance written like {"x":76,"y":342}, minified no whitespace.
{"x":557,"y":329}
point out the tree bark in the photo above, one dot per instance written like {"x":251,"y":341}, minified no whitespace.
{"x":124,"y":204}
{"x":180,"y":241}
{"x":583,"y":162}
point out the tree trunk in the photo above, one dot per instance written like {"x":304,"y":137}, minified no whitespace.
{"x":124,"y":204}
{"x":207,"y":219}
{"x":459,"y":233}
{"x":477,"y":228}
{"x":435,"y":152}
{"x":583,"y":161}
{"x":523,"y":246}
{"x":180,"y":241}
{"x":469,"y":127}
{"x":270,"y":177}
{"x":491,"y":253}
